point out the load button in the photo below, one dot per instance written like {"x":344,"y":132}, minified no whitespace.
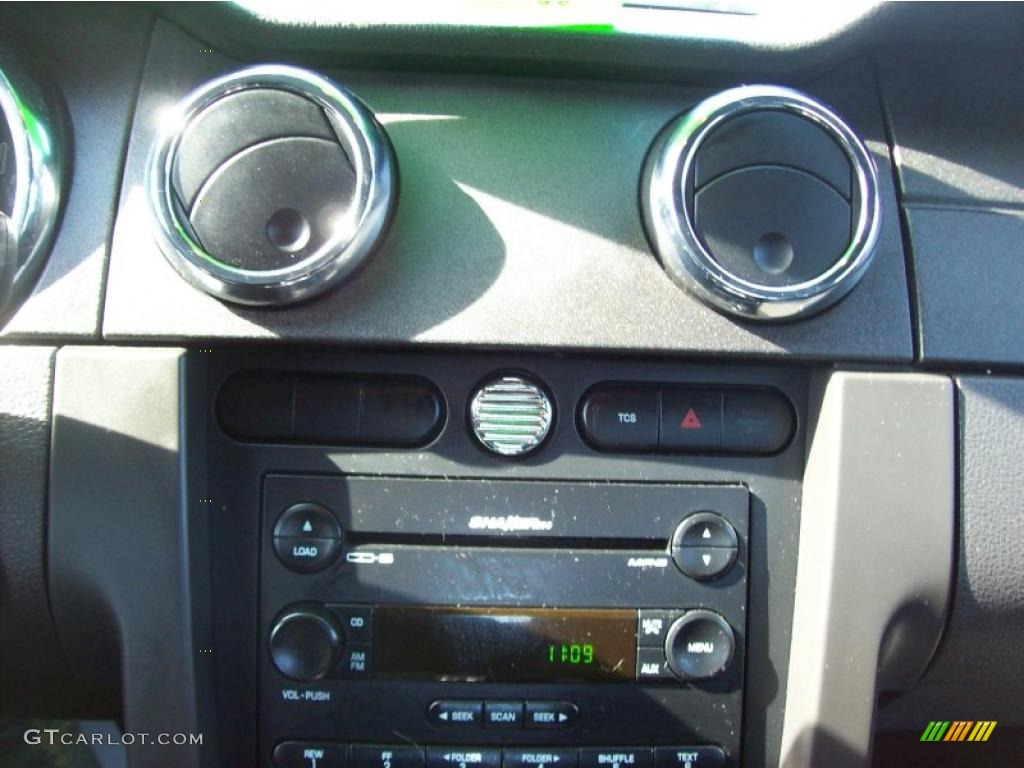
{"x":551,"y":714}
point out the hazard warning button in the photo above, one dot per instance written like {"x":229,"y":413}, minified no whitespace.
{"x":691,"y":419}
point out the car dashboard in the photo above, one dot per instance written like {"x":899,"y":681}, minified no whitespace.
{"x":513,"y":385}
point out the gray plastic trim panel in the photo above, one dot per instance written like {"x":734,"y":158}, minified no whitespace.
{"x":876,"y":557}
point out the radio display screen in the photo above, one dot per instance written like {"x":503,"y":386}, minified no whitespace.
{"x":504,"y":645}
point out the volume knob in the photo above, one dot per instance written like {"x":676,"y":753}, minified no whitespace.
{"x":305,"y":642}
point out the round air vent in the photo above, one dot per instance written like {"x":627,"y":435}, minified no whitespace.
{"x":31,"y":178}
{"x":270,"y":185}
{"x":762,"y":202}
{"x":510,"y":415}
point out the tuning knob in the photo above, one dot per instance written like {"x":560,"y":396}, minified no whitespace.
{"x":305,"y":642}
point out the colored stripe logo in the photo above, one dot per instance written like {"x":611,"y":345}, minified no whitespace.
{"x":958,"y":730}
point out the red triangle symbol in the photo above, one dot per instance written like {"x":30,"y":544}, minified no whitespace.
{"x":691,"y":420}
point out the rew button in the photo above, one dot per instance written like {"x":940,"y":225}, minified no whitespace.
{"x":302,"y":754}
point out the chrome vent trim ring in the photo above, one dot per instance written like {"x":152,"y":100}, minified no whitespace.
{"x":361,"y":138}
{"x":510,"y":415}
{"x":668,"y":170}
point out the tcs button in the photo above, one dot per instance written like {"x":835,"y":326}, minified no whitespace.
{"x":621,"y":417}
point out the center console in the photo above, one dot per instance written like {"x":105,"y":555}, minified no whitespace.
{"x":497,"y":561}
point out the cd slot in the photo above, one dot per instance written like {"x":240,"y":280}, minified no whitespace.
{"x":632,"y":544}
{"x":507,"y":513}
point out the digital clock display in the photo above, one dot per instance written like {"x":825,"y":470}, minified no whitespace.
{"x":574,"y":653}
{"x":504,"y":645}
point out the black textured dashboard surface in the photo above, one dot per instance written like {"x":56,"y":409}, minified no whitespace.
{"x":969,"y":265}
{"x":517,"y":225}
{"x":955,"y":112}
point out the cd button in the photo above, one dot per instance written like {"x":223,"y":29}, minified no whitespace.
{"x":615,"y":757}
{"x":453,"y":713}
{"x":503,"y":714}
{"x":463,"y":757}
{"x":551,"y":714}
{"x":302,"y":754}
{"x":689,"y":757}
{"x":385,"y":756}
{"x":540,"y":758}
{"x":356,"y":620}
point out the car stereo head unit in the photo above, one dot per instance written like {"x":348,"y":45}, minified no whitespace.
{"x":479,"y":624}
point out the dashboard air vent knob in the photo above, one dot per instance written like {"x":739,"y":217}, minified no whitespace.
{"x":270,"y":185}
{"x":762,"y":202}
